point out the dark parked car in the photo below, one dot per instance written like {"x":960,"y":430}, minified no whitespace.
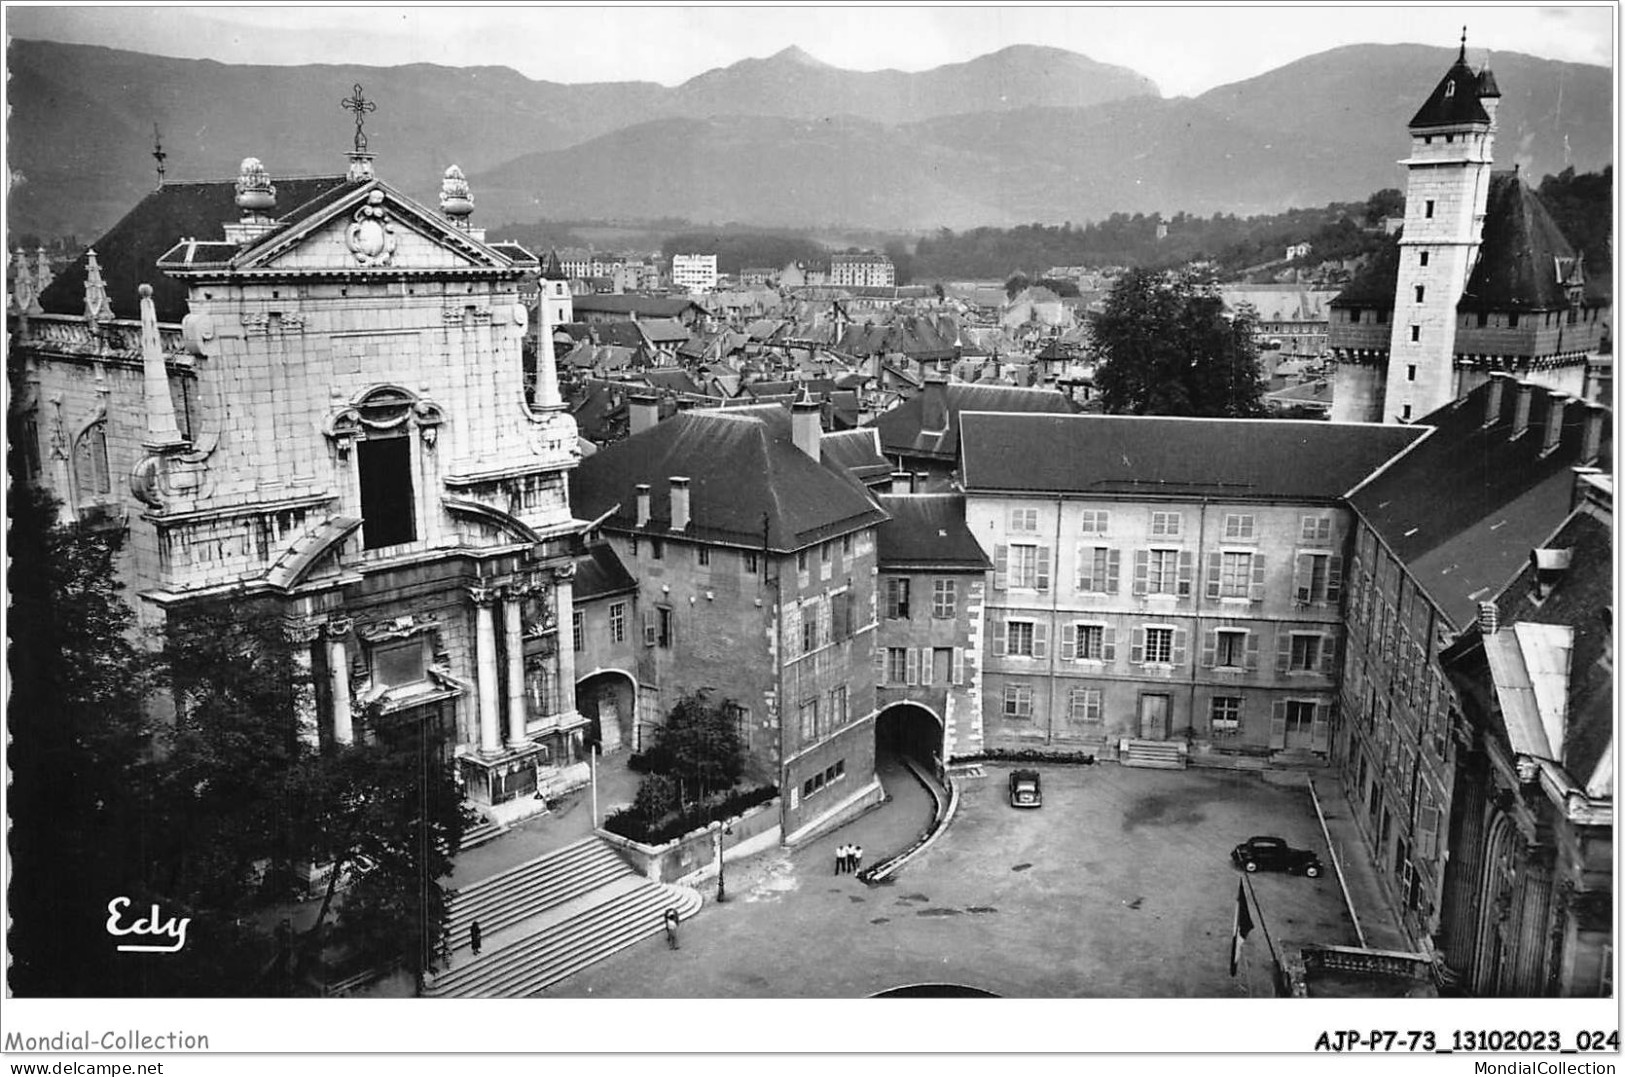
{"x":1274,"y":854}
{"x":1024,"y":789}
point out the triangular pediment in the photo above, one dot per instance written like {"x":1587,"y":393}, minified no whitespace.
{"x":370,"y":227}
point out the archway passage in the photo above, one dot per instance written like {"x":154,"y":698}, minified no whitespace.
{"x":608,"y":700}
{"x":911,"y":730}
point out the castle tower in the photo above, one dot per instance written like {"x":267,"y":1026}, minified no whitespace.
{"x":1447,"y":190}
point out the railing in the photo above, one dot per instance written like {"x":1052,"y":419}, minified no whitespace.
{"x":941,"y":816}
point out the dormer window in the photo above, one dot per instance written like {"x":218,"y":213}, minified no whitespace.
{"x":1450,"y":89}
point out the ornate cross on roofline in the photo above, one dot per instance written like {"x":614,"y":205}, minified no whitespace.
{"x":158,"y":153}
{"x":360,"y":106}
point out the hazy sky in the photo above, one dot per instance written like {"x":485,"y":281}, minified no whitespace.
{"x":1185,"y":50}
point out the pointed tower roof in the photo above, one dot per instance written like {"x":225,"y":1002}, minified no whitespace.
{"x":1524,"y":263}
{"x":552,"y":269}
{"x":1454,"y":102}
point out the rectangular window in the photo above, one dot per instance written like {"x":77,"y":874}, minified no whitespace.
{"x":1382,"y":317}
{"x":897,"y":597}
{"x":837,"y":708}
{"x":846,"y":545}
{"x":801,"y":560}
{"x":840,"y":607}
{"x":1091,"y":642}
{"x":1159,"y":645}
{"x":1162,"y":572}
{"x":809,"y":720}
{"x":1098,"y":568}
{"x":1305,"y":653}
{"x":1410,"y":371}
{"x":399,"y":663}
{"x":1420,"y":291}
{"x":1018,"y":701}
{"x":702,"y":555}
{"x":944,"y":598}
{"x":388,"y":506}
{"x":1483,"y":319}
{"x":1236,"y":575}
{"x":1300,"y":716}
{"x":1317,"y":577}
{"x":1020,"y":638}
{"x":1428,"y":210}
{"x":1084,"y":705}
{"x":1231,"y":650}
{"x":1024,"y":519}
{"x":1416,"y":333}
{"x":1354,"y":317}
{"x":809,"y":628}
{"x":657,"y":548}
{"x":1224,"y":715}
{"x":826,"y":552}
{"x":896,"y":665}
{"x":1422,"y":259}
{"x":1405,"y":412}
{"x":1165,"y":524}
{"x":617,"y":622}
{"x":1238,"y":526}
{"x":664,"y":626}
{"x":1095,"y":522}
{"x":576,"y":633}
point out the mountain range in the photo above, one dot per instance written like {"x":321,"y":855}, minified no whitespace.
{"x":1024,"y":134}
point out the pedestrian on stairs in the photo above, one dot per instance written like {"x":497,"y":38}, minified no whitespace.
{"x":474,"y":937}
{"x":671,"y":929}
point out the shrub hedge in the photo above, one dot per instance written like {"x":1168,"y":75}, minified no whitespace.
{"x":629,"y":823}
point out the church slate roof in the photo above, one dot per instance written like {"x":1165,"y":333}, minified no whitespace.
{"x":928,"y":532}
{"x":744,"y":472}
{"x":1454,"y":101}
{"x":1150,"y":456}
{"x":856,"y":451}
{"x":601,"y":574}
{"x":1465,"y":505}
{"x":1520,"y":254}
{"x":128,"y":252}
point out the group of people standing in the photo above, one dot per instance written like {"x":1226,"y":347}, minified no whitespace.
{"x":848,"y":859}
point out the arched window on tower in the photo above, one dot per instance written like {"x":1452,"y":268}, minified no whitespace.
{"x":92,"y":475}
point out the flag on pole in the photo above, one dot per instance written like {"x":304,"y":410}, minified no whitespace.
{"x":1242,"y":926}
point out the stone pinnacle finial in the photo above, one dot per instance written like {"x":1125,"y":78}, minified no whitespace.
{"x":456,"y":201}
{"x":256,"y":194}
{"x":98,"y":307}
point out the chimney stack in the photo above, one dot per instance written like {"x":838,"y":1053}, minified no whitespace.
{"x":805,"y":428}
{"x":1596,"y":424}
{"x":679,"y":503}
{"x":643,"y":412}
{"x":1520,"y":409}
{"x":1556,"y":403}
{"x":934,"y":406}
{"x":643,"y":503}
{"x":1492,"y":397}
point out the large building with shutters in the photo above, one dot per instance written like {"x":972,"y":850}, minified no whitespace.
{"x":1163,"y":584}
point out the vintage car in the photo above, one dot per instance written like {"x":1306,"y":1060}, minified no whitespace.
{"x":1024,"y":789}
{"x":1274,"y":854}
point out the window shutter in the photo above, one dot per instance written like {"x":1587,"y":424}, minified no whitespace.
{"x":1328,"y":655}
{"x":880,"y":665}
{"x":1210,"y":648}
{"x":792,"y":631}
{"x":1181,"y":638}
{"x":648,"y":628}
{"x":1086,"y":568}
{"x":1334,"y":578}
{"x":824,"y":633}
{"x":998,"y":636}
{"x":1187,"y":565}
{"x":1136,"y":647}
{"x":1278,"y":724}
{"x":959,"y":665}
{"x":1318,"y":727}
{"x":1302,"y":572}
{"x":912,"y":663}
{"x":1001,"y":567}
{"x":1114,"y":566}
{"x":1252,"y":650}
{"x":1043,"y":568}
{"x":1069,"y":642}
{"x":1215,"y":568}
{"x":1142,"y":569}
{"x":1041,"y":639}
{"x":1258,"y":577}
{"x":1108,"y":644}
{"x":1283,"y":650}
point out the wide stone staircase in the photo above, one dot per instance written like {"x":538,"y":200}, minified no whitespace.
{"x":1160,"y":754}
{"x":550,"y":917}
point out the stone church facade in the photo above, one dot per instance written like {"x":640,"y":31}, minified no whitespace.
{"x":312,"y":396}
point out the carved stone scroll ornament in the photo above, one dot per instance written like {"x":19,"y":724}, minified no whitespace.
{"x":371,"y":235}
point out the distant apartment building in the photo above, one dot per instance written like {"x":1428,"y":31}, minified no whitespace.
{"x":695,"y":272}
{"x":867,"y":270}
{"x":1163,"y":585}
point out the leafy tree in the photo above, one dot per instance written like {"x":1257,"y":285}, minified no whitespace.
{"x":656,"y":796}
{"x":1014,"y":286}
{"x":1165,"y":345}
{"x":702,"y":746}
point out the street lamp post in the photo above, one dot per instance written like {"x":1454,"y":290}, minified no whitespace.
{"x":722,"y":886}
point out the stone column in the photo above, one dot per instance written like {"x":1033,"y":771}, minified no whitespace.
{"x":300,"y":635}
{"x":564,"y":615}
{"x":338,"y":667}
{"x":515,"y":642}
{"x":485,"y":648}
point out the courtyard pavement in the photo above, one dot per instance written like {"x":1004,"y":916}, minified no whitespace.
{"x":1120,"y":886}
